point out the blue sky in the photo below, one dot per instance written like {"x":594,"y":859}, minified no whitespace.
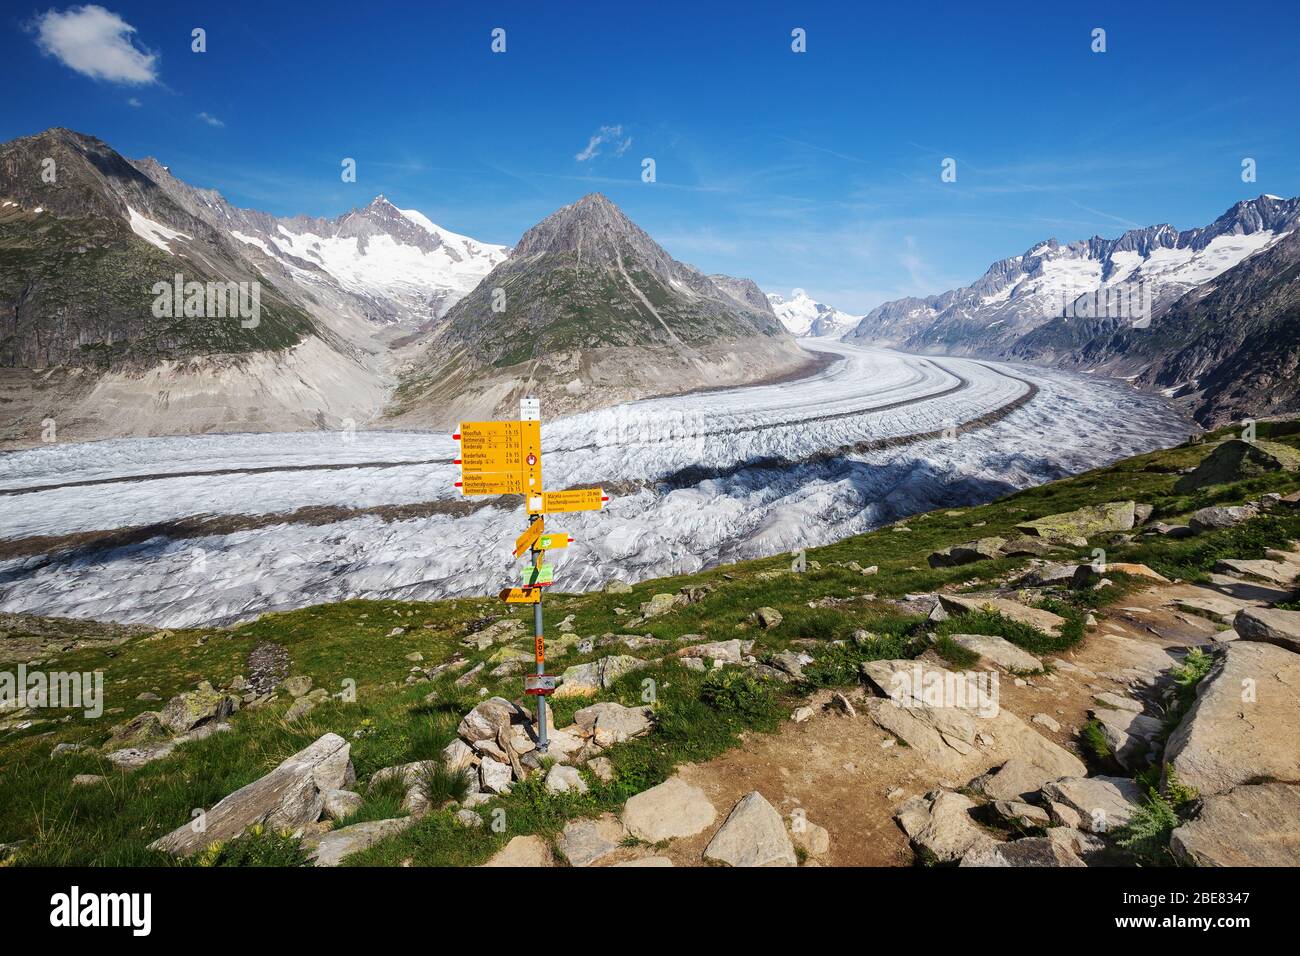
{"x":819,"y":170}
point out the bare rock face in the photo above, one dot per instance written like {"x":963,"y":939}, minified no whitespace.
{"x":1252,"y":825}
{"x":528,"y":851}
{"x":1045,"y":621}
{"x":609,"y":723}
{"x":1269,"y":625}
{"x":1029,"y":852}
{"x":337,"y":844}
{"x":587,"y":841}
{"x":1084,"y":522}
{"x":291,"y":795}
{"x":955,"y":724}
{"x":1237,"y":460}
{"x":753,"y":835}
{"x":1000,"y":651}
{"x":983,"y":549}
{"x":672,"y":809}
{"x":1102,"y":803}
{"x":1242,"y":726}
{"x":940,"y":825}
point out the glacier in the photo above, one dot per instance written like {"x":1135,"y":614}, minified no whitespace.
{"x":694,"y":480}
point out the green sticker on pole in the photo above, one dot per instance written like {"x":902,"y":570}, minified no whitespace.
{"x":538,"y":576}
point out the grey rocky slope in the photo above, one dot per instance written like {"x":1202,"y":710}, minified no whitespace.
{"x":589,"y":311}
{"x":85,"y":235}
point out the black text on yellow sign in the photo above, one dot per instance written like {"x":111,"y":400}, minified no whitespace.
{"x":529,"y":537}
{"x":500,"y":458}
{"x":521,"y":595}
{"x":575,"y":499}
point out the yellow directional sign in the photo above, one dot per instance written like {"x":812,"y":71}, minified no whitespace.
{"x":490,"y":484}
{"x":500,"y":458}
{"x":521,"y":595}
{"x":553,"y":542}
{"x":525,"y":540}
{"x":576,"y":499}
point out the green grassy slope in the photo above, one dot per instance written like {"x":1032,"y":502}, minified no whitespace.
{"x":699,"y":715}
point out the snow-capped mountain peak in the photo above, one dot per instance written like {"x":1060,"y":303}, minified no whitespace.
{"x":386,"y":255}
{"x":1153,"y":266}
{"x":801,"y":314}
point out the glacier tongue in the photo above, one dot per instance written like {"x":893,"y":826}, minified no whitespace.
{"x":696,"y":480}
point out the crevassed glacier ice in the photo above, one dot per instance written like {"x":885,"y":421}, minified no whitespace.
{"x":698,"y":479}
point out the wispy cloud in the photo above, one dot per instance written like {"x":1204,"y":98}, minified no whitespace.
{"x":134,"y":101}
{"x":611,"y":136}
{"x":96,"y":43}
{"x":211,"y":120}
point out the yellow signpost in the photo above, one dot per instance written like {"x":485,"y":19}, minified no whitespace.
{"x":575,"y":499}
{"x":505,"y":458}
{"x":500,"y":458}
{"x":525,"y":540}
{"x":522,"y":595}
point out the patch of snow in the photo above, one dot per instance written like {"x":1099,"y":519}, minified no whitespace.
{"x":153,"y":232}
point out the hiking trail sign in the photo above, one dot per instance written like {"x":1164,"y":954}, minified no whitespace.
{"x":505,"y":458}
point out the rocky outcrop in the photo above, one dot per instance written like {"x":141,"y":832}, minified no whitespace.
{"x":1000,"y":651}
{"x":1252,"y":825}
{"x":1045,"y":621}
{"x":752,"y":835}
{"x":940,"y":826}
{"x":955,"y":726}
{"x":1103,"y":803}
{"x":588,"y":841}
{"x":1242,"y":725}
{"x":1270,"y":626}
{"x":1237,"y":460}
{"x":1084,"y":522}
{"x":984,"y":549}
{"x":672,"y":809}
{"x":291,"y":795}
{"x":333,"y":846}
{"x":584,"y":680}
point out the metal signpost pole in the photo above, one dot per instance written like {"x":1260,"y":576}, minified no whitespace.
{"x":540,"y":648}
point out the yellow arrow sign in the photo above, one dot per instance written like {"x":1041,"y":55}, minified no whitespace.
{"x":576,"y":499}
{"x":525,"y":540}
{"x":553,"y":542}
{"x":521,"y":595}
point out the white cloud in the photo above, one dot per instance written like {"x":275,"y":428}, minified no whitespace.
{"x":605,"y":135}
{"x":210,"y":119}
{"x":96,"y":43}
{"x":134,"y":101}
